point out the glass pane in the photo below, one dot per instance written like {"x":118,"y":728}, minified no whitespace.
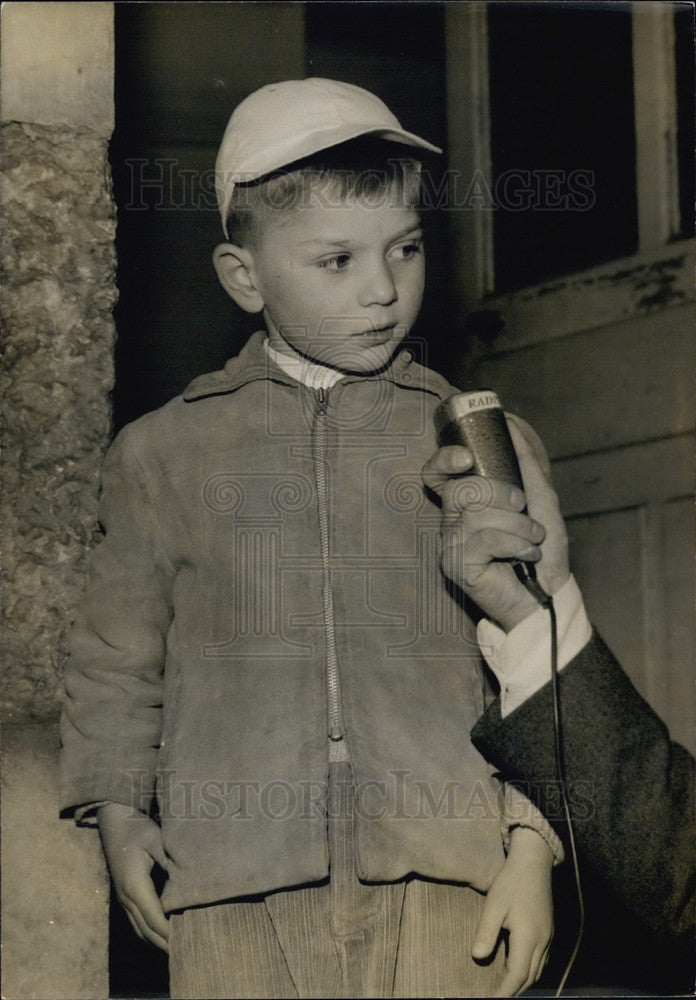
{"x":562,"y":138}
{"x":684,"y":31}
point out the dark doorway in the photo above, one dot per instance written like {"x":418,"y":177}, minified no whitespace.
{"x":180,"y":71}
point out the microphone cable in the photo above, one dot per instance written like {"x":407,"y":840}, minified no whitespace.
{"x":546,"y":601}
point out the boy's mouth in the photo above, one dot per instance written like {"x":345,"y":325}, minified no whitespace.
{"x":377,"y":336}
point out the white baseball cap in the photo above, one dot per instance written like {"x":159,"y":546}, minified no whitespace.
{"x":287,"y":121}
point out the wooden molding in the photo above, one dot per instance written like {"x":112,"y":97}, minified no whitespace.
{"x":625,"y":288}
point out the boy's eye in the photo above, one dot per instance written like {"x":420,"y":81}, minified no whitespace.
{"x":336,"y":263}
{"x":407,"y":250}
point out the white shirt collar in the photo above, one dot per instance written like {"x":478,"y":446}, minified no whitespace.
{"x":309,"y":373}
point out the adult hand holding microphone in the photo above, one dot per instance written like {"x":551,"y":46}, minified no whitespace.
{"x":488,"y":522}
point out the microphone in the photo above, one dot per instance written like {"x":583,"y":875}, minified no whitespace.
{"x":476,"y":420}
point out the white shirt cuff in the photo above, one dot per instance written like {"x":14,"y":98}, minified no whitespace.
{"x":521,"y":658}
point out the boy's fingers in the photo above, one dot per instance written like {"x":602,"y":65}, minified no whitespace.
{"x":525,"y":963}
{"x":154,"y":917}
{"x":544,"y":961}
{"x":539,"y":960}
{"x":145,"y":907}
{"x":156,"y":850}
{"x":511,"y":986}
{"x":488,"y":931}
{"x":534,"y":966}
{"x":517,"y":976}
{"x":144,"y":931}
{"x":135,"y":924}
{"x":158,"y":941}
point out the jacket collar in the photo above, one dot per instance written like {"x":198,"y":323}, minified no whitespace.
{"x":253,"y":364}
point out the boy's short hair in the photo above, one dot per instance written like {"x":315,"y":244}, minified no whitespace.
{"x":367,"y":168}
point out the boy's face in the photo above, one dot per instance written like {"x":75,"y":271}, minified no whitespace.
{"x":342,"y":284}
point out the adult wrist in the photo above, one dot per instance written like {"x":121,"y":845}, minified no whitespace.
{"x":520,"y":659}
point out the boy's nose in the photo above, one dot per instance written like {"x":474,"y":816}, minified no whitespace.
{"x":378,"y":286}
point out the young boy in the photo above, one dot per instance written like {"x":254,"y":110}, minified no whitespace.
{"x":268,"y":645}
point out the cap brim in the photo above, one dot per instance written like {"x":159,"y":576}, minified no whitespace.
{"x":326,"y":139}
{"x":315,"y":142}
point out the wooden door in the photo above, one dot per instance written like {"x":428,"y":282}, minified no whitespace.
{"x":599,"y":361}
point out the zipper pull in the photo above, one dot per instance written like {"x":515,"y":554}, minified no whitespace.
{"x":322,"y":401}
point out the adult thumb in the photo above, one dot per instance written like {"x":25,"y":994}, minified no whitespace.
{"x":543,"y":505}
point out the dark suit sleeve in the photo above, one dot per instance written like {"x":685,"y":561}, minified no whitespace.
{"x":631,"y":789}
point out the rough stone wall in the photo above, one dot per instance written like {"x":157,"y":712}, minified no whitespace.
{"x":58,"y":263}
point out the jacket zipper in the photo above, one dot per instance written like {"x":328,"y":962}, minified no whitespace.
{"x":332,"y":679}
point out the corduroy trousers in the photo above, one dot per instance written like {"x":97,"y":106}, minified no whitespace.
{"x":340,"y":938}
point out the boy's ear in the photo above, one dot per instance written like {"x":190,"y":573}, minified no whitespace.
{"x":234,"y":267}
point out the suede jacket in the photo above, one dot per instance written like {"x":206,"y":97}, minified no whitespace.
{"x":269,"y":573}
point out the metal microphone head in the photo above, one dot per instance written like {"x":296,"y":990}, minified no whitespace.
{"x":476,"y":420}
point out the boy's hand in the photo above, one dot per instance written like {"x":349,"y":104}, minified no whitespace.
{"x":482,"y":526}
{"x":132,"y":844}
{"x":519,"y":901}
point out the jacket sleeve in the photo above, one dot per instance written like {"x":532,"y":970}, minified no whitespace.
{"x":111,"y":722}
{"x":518,"y":810}
{"x":630,"y":788}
